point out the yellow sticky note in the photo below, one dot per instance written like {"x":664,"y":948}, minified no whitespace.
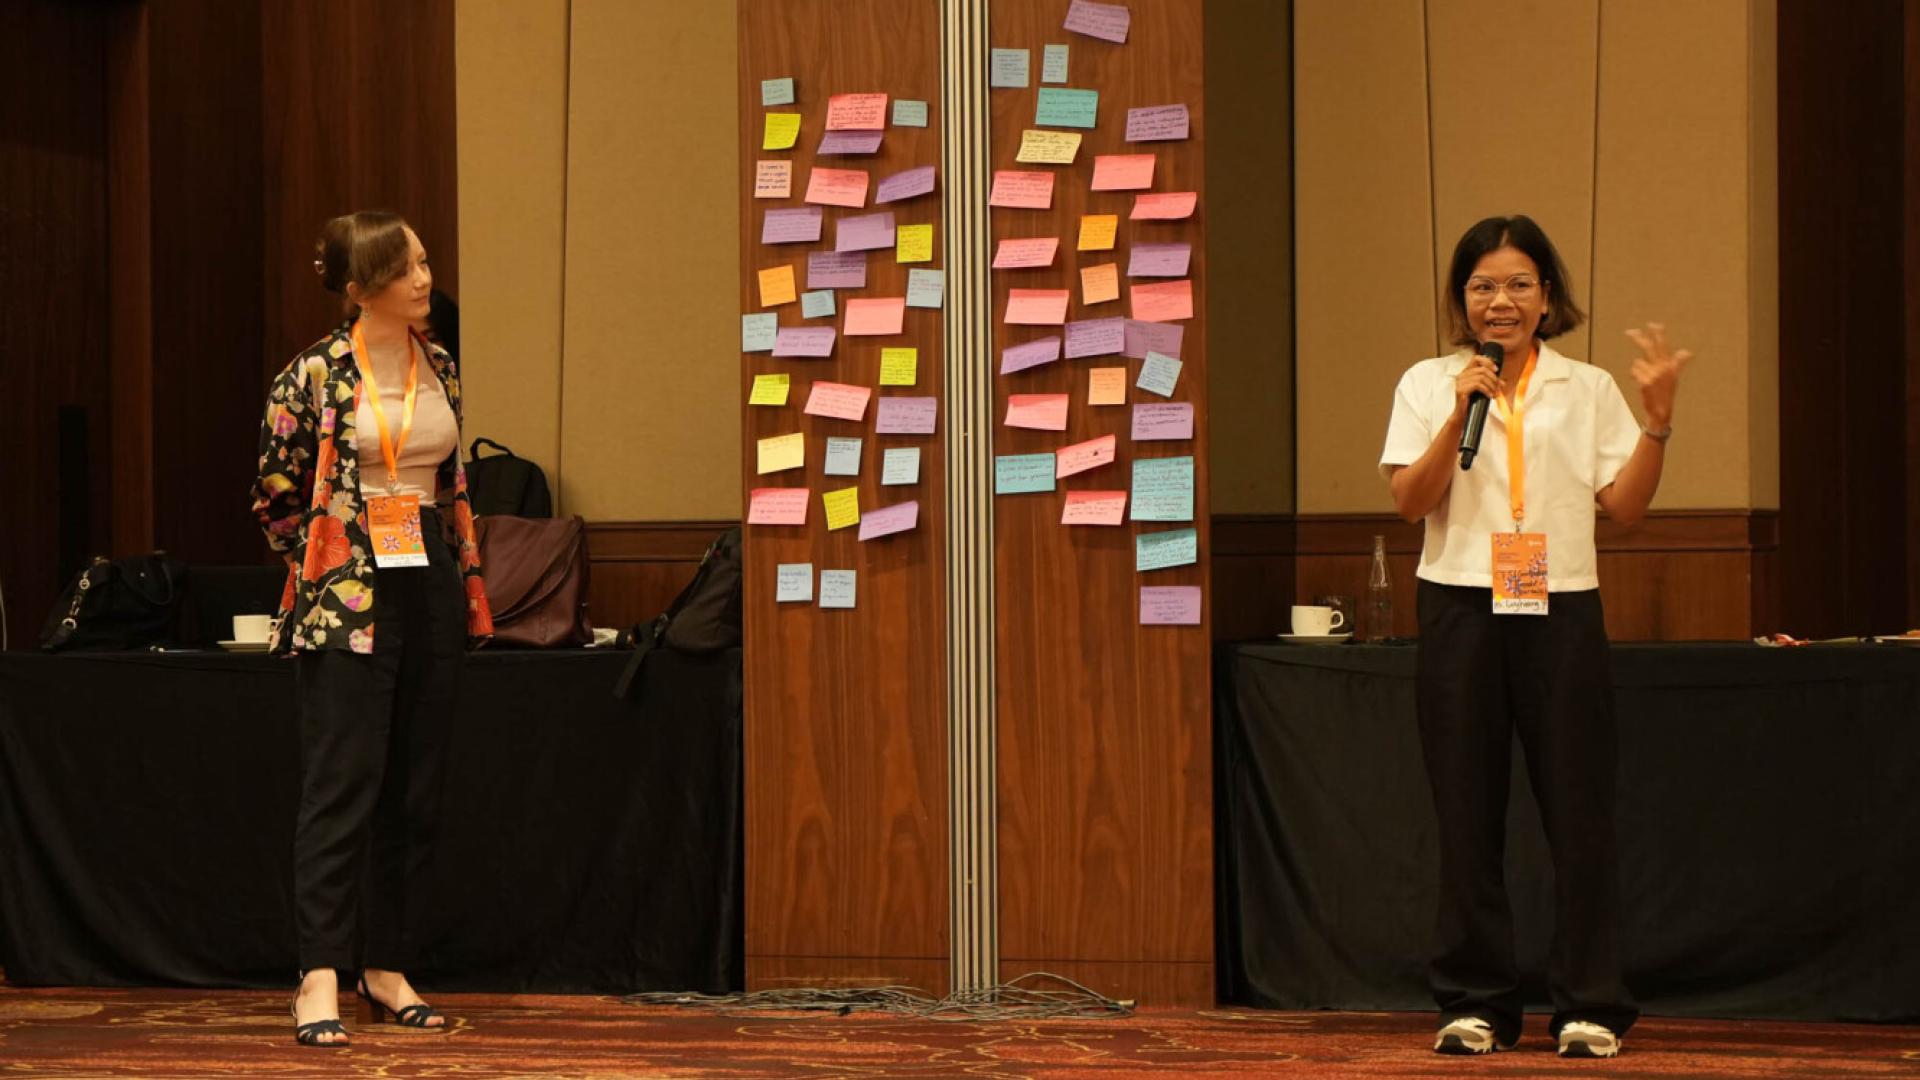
{"x":1048,"y":147}
{"x":899,"y":367}
{"x":843,"y":507}
{"x":913,"y":243}
{"x":1099,"y":284}
{"x":1107,"y":386}
{"x":781,"y":452}
{"x":1096,"y":231}
{"x":770,"y":389}
{"x":783,"y":129}
{"x":776,"y":286}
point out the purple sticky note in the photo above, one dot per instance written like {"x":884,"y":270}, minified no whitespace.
{"x":1108,"y":22}
{"x":906,"y":415}
{"x":1169,"y":605}
{"x":849,"y":142}
{"x":864,"y":233}
{"x":1170,"y":421}
{"x":1163,"y":338}
{"x":845,"y":270}
{"x":1159,"y":260}
{"x":1096,"y":337}
{"x":803,"y":341}
{"x":889,"y":520}
{"x":1029,"y":354}
{"x":1157,"y":123}
{"x":796,"y":226}
{"x":904,"y":185}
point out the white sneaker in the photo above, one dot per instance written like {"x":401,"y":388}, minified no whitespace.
{"x":1467,"y":1035}
{"x":1581,"y":1039}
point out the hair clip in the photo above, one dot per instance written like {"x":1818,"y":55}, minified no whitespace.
{"x":320,"y":267}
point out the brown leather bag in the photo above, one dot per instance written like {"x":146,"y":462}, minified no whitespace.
{"x":536,"y":575}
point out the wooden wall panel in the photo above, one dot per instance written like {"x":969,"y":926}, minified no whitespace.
{"x":1105,"y":760}
{"x":1910,"y":206}
{"x":846,"y":710}
{"x":639,"y":567}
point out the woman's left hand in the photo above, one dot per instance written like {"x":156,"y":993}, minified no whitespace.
{"x":1657,"y":370}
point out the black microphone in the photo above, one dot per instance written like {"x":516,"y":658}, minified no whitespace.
{"x":1477,"y":407}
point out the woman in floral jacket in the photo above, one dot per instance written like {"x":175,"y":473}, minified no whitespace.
{"x":361,"y":490}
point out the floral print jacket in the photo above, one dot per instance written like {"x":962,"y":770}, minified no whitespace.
{"x":309,"y":502}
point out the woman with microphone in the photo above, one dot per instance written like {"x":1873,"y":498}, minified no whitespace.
{"x":1511,"y":633}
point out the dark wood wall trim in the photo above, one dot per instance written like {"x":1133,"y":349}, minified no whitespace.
{"x":1911,"y":260}
{"x":638,"y":567}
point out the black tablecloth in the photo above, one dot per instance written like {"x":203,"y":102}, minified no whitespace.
{"x":1769,"y":831}
{"x":147,"y":805}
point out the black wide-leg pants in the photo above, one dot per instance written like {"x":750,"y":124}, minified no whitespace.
{"x":1482,"y":678}
{"x":373,"y":739}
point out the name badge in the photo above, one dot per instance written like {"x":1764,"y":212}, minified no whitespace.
{"x":1519,"y":573}
{"x":394,"y":523}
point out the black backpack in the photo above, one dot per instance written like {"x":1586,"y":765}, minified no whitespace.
{"x":506,"y":484}
{"x":704,"y":618}
{"x":117,"y":604}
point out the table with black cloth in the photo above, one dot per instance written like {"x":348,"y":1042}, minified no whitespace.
{"x":589,"y":844}
{"x":1768,"y":821}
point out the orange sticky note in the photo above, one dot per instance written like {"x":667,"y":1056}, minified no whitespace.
{"x":772,"y":179}
{"x":1164,"y":205}
{"x":837,"y":187}
{"x":1042,"y":412}
{"x":1015,"y":254}
{"x":872,"y":317}
{"x":1035,"y":307}
{"x":1094,"y":508}
{"x":1163,"y":301}
{"x":838,"y":400}
{"x":777,"y":506}
{"x":1078,"y":458}
{"x":1107,"y":386}
{"x":857,"y":112}
{"x":1123,"y":172}
{"x":1096,"y":231}
{"x":776,"y":286}
{"x":1022,"y":190}
{"x":1099,"y":284}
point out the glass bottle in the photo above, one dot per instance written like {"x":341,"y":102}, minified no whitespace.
{"x":1379,"y":595}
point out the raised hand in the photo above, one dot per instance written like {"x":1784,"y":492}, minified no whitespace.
{"x":1657,"y":370}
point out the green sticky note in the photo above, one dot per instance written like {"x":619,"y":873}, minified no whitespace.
{"x":1053,"y":65}
{"x":1019,"y":474}
{"x":758,"y":331}
{"x":1163,"y":489}
{"x":816,"y":304}
{"x":907,"y":113}
{"x":776,"y":91}
{"x":1160,"y":550}
{"x":1066,"y":108}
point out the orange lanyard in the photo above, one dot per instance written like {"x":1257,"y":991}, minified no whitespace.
{"x":389,"y":446}
{"x":1516,"y":418}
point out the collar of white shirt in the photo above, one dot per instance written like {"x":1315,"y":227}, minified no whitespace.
{"x":1551,"y":367}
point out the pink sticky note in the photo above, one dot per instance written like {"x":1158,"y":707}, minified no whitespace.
{"x":1159,"y":260}
{"x":906,"y":416}
{"x":878,"y":315}
{"x":868,"y":232}
{"x":1022,"y":190}
{"x":1015,"y":254}
{"x":905,"y":185}
{"x":1164,"y":206}
{"x":1094,"y":508}
{"x":1122,"y":172}
{"x":777,"y":506}
{"x":838,"y":400}
{"x":1078,"y":458}
{"x":1162,"y":301}
{"x":796,"y":225}
{"x":1095,"y":337}
{"x":1041,"y":412}
{"x":1173,"y":420}
{"x":849,"y":142}
{"x":1108,"y":22}
{"x":1169,"y":605}
{"x":842,"y":270}
{"x":803,"y":341}
{"x":837,"y":187}
{"x":857,"y":112}
{"x":1157,"y":123}
{"x":1029,"y":354}
{"x":1145,"y":337}
{"x":1037,"y":307}
{"x":888,"y":520}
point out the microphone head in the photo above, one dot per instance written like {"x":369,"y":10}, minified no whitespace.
{"x":1495,"y":352}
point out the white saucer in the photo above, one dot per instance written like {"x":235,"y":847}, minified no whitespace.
{"x":244,"y":646}
{"x":1315,"y":639}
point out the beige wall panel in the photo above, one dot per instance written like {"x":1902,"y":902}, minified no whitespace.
{"x":1363,"y":235}
{"x":651,"y":411}
{"x":1671,"y":227}
{"x":1250,"y":252}
{"x":1763,"y":261}
{"x":510,"y":73}
{"x":1514,"y":138}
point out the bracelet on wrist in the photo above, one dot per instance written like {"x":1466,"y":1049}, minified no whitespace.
{"x":1660,"y":434}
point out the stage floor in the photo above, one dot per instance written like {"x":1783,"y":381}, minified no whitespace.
{"x":197,"y":1033}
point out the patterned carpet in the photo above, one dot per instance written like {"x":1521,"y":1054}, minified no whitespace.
{"x":187,"y":1033}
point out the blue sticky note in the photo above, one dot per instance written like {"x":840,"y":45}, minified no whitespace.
{"x":926,"y":288}
{"x":836,"y":588}
{"x":1159,"y":374}
{"x":1053,"y":64}
{"x":1019,"y":474}
{"x":792,"y":581}
{"x":813,"y":305}
{"x":900,"y":465}
{"x":1159,"y":550}
{"x":776,"y":91}
{"x":843,"y":456}
{"x":1066,"y":108}
{"x":758,"y":331}
{"x":1007,"y":68}
{"x":909,"y":113}
{"x":1163,"y":489}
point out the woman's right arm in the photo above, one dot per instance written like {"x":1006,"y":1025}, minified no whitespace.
{"x":1419,"y":487}
{"x":287,"y":447}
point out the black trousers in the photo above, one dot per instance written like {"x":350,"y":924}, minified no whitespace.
{"x":373,"y":737}
{"x":1482,"y":678}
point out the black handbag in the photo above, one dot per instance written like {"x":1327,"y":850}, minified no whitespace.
{"x":506,"y":483}
{"x":117,"y":604}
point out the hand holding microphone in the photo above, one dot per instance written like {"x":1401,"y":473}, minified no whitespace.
{"x":1474,"y":389}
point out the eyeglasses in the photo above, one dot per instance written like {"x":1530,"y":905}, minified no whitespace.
{"x":1520,"y":288}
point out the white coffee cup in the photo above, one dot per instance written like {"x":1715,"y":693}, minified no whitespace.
{"x":1314,"y":620}
{"x":252,"y":627}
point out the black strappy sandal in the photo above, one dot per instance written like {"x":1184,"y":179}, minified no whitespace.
{"x":309,"y":1034}
{"x":416,"y":1015}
